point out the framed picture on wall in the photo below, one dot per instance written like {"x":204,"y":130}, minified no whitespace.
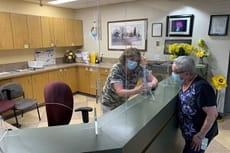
{"x":179,"y":25}
{"x":157,"y":29}
{"x":172,"y":41}
{"x":218,"y":25}
{"x":127,"y":33}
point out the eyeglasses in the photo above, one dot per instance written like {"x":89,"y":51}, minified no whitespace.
{"x":179,"y":72}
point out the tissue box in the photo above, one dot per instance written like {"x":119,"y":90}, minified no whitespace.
{"x":35,"y":64}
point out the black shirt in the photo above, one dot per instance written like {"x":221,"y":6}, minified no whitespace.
{"x":191,"y":116}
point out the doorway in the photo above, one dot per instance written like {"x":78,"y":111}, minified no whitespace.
{"x":227,"y":92}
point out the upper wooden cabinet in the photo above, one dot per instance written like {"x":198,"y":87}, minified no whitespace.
{"x":6,"y":40}
{"x":59,"y":32}
{"x":73,"y":32}
{"x":34,"y":30}
{"x":47,"y":32}
{"x":77,"y":33}
{"x":28,"y":31}
{"x":20,"y":31}
{"x":68,"y":25}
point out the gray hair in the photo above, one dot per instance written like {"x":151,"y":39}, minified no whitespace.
{"x":185,"y":64}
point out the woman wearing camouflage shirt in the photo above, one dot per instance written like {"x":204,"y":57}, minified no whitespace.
{"x":122,"y":80}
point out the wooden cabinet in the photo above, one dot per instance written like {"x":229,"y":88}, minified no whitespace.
{"x":4,"y":81}
{"x":83,"y":79}
{"x":6,"y":39}
{"x":70,"y":77}
{"x":39,"y":80}
{"x":73,"y":32}
{"x":34,"y":30}
{"x":26,"y":83}
{"x":28,"y":31}
{"x":47,"y":31}
{"x":104,"y":72}
{"x":55,"y":75}
{"x":59,"y":31}
{"x":77,"y":32}
{"x":94,"y":75}
{"x":67,"y":75}
{"x":68,"y":32}
{"x":87,"y":79}
{"x":20,"y":31}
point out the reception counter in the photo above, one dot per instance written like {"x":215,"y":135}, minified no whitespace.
{"x":145,"y":123}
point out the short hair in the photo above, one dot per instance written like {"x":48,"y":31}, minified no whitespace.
{"x":185,"y":64}
{"x":130,"y":53}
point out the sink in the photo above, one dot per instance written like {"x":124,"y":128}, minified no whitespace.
{"x":14,"y":71}
{"x":3,"y":73}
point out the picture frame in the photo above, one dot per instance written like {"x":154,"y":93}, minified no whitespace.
{"x":127,"y":33}
{"x":179,"y":25}
{"x":218,"y":25}
{"x":157,"y":29}
{"x":172,"y":41}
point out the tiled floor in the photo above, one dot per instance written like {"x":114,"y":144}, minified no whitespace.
{"x":221,"y":144}
{"x":30,"y":119}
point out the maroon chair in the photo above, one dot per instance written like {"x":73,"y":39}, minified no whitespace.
{"x":59,"y":104}
{"x":6,"y":105}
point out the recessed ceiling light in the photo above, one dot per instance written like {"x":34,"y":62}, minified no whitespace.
{"x":60,"y":1}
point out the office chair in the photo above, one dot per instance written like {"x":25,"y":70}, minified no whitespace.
{"x":13,"y":91}
{"x":6,"y":105}
{"x":59,"y":104}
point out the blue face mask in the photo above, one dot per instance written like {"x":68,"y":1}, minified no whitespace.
{"x":177,"y":78}
{"x":131,"y":65}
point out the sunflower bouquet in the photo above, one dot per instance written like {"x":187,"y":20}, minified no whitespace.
{"x":180,"y":49}
{"x":202,"y":50}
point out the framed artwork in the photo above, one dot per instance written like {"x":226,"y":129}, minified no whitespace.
{"x":157,"y":29}
{"x":172,"y":41}
{"x":127,"y":33}
{"x":218,"y":25}
{"x":179,"y":25}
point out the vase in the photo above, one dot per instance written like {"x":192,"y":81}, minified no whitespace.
{"x":201,"y":60}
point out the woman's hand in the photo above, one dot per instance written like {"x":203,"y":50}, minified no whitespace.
{"x":196,"y":143}
{"x":138,"y":89}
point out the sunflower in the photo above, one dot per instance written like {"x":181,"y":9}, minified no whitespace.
{"x":219,"y":82}
{"x":180,"y":49}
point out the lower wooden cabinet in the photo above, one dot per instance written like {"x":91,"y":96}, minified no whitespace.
{"x":26,"y":83}
{"x":70,"y":78}
{"x":104,"y":72}
{"x":39,"y":80}
{"x":81,"y":78}
{"x":5,"y":81}
{"x":94,"y":75}
{"x":88,"y":77}
{"x":67,"y":75}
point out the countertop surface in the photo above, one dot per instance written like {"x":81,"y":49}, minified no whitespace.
{"x":27,"y":71}
{"x":129,"y":128}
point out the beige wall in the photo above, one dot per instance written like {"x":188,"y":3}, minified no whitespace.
{"x":156,"y":11}
{"x":21,"y":7}
{"x":18,"y":6}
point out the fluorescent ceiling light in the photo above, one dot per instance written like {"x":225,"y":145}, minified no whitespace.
{"x":60,"y":1}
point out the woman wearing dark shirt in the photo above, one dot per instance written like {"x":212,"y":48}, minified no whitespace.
{"x":197,"y":109}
